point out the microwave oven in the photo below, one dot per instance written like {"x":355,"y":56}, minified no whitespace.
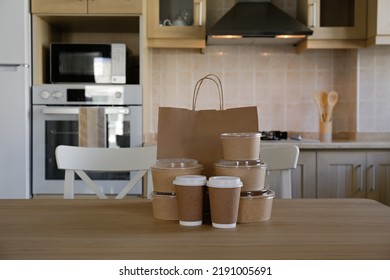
{"x":88,"y":63}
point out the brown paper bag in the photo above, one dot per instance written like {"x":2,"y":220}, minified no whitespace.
{"x":196,"y":134}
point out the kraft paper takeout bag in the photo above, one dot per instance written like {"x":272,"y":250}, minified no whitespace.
{"x":196,"y":134}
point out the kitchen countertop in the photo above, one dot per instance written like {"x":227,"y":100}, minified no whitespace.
{"x":312,"y":144}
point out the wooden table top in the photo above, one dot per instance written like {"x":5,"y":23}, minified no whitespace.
{"x":125,"y":229}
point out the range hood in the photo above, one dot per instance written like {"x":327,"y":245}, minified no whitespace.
{"x":256,"y":22}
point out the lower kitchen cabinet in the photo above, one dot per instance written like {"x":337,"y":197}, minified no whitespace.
{"x":378,"y":176}
{"x":304,"y":176}
{"x":343,"y":173}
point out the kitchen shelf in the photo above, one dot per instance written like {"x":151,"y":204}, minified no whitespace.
{"x":81,"y":29}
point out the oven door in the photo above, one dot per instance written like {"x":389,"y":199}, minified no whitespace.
{"x":53,"y":126}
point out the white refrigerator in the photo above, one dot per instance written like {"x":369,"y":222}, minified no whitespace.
{"x":15,"y":85}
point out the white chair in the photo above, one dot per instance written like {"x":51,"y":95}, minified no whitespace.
{"x":280,"y":159}
{"x":79,"y":159}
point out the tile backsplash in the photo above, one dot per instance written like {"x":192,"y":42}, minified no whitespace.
{"x":278,"y":81}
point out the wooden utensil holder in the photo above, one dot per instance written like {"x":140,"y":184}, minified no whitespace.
{"x":326,"y":131}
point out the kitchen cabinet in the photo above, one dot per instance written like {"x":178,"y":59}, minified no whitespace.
{"x":378,"y":176}
{"x":86,"y":6}
{"x":362,"y":174}
{"x":303,"y":178}
{"x":335,"y":23}
{"x":378,"y":22}
{"x":176,"y":23}
{"x":340,"y":174}
{"x":83,"y":21}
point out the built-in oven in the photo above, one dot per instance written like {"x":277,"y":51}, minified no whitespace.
{"x":115,"y":121}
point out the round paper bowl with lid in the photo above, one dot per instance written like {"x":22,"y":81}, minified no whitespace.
{"x":166,"y":170}
{"x":255,"y":206}
{"x":251,"y":172}
{"x":241,"y":146}
{"x":164,"y":206}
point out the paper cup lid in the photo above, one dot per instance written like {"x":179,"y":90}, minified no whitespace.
{"x":224,"y":182}
{"x":240,"y":134}
{"x":176,"y":162}
{"x":190,"y":180}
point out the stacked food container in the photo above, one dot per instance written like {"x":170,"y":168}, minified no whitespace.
{"x":164,"y":173}
{"x":241,"y":152}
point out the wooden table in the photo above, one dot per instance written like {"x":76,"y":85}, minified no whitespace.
{"x":125,"y":229}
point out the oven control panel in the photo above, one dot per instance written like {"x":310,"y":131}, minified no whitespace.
{"x":61,"y":94}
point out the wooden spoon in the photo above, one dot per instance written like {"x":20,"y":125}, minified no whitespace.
{"x":321,"y":99}
{"x":318,"y":101}
{"x":324,"y":105}
{"x":333,"y":97}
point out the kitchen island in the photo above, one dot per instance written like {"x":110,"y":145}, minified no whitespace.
{"x":125,"y":229}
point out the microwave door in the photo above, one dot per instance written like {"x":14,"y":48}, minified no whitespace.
{"x":80,"y":63}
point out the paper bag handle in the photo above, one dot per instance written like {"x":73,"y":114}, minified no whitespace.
{"x":198,"y":84}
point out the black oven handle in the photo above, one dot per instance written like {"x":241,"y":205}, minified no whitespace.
{"x":75,"y":111}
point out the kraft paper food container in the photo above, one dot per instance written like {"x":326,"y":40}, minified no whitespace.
{"x":241,"y":146}
{"x":189,"y":196}
{"x":164,"y":206}
{"x":255,"y":206}
{"x":166,"y":170}
{"x":224,"y":197}
{"x":251,"y":172}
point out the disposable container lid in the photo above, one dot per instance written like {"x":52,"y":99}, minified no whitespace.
{"x":190,"y":180}
{"x":240,"y":163}
{"x":224,"y":182}
{"x":241,"y":134}
{"x":266,"y":194}
{"x":176,"y":163}
{"x":163,"y":194}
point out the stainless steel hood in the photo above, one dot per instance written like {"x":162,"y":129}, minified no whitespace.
{"x":256,"y":22}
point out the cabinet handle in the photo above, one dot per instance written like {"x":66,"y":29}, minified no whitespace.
{"x":373,"y":187}
{"x":313,"y":7}
{"x":200,"y":19}
{"x":360,"y":188}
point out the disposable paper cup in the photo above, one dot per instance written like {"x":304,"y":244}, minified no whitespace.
{"x":189,"y":196}
{"x":224,"y":196}
{"x":255,"y":206}
{"x":251,"y":172}
{"x":164,"y":206}
{"x":241,"y":146}
{"x":166,"y":170}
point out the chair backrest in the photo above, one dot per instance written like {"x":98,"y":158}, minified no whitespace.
{"x":75,"y":159}
{"x":280,"y":159}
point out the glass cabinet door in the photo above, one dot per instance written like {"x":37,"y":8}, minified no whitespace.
{"x":176,"y":12}
{"x":337,"y":19}
{"x":176,"y":19}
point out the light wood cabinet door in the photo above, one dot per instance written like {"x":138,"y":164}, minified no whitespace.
{"x":378,"y":22}
{"x":378,"y":176}
{"x":341,"y":174}
{"x":59,"y":6}
{"x":176,"y":23}
{"x":304,"y":176}
{"x":115,"y":6}
{"x":86,"y":6}
{"x":334,"y":19}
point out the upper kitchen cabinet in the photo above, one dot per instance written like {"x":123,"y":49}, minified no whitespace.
{"x":86,"y":6}
{"x":335,"y":23}
{"x":176,"y":23}
{"x":378,"y":22}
